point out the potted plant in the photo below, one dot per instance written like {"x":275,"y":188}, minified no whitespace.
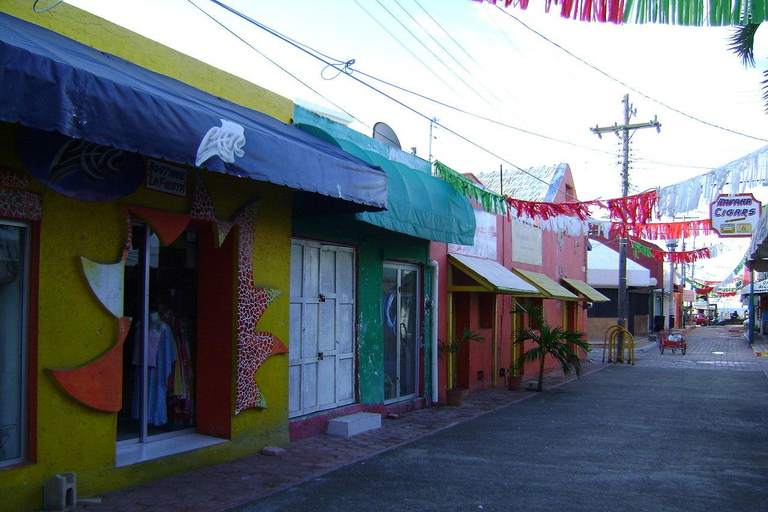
{"x":549,"y":341}
{"x":514,"y":377}
{"x":453,"y":393}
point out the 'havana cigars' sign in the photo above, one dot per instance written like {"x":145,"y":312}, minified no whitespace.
{"x":736,"y":215}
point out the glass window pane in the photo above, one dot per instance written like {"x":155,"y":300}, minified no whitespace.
{"x":13,"y":263}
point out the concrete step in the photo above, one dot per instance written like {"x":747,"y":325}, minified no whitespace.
{"x":354,"y":424}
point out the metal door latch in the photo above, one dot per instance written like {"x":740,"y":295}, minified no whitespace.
{"x":319,"y":356}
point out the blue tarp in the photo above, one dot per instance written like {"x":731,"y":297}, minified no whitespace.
{"x":50,"y":82}
{"x":420,"y":205}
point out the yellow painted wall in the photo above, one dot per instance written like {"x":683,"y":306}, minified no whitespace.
{"x":108,"y":37}
{"x":74,"y":327}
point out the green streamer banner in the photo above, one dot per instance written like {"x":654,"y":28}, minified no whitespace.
{"x":638,"y":249}
{"x":490,"y":201}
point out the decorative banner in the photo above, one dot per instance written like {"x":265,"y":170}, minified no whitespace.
{"x":714,"y":13}
{"x":662,"y":230}
{"x":491,"y":202}
{"x":682,"y":256}
{"x":735,"y":215}
{"x":640,"y":249}
{"x":79,"y":169}
{"x":635,"y":209}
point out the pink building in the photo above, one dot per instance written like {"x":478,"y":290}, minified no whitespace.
{"x":511,"y":260}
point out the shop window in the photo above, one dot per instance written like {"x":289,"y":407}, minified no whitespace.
{"x":14,"y":289}
{"x":177,"y":371}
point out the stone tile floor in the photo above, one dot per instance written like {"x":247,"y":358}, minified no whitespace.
{"x":223,"y":486}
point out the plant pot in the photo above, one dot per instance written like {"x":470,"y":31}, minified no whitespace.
{"x":454,"y":397}
{"x":514,"y":382}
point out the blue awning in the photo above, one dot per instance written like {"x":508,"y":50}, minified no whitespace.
{"x":420,"y":205}
{"x":50,"y":82}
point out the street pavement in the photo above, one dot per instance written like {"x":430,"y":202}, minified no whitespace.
{"x":672,"y":433}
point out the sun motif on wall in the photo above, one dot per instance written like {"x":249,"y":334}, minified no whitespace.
{"x":98,"y":383}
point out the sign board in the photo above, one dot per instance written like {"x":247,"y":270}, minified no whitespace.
{"x":485,"y":238}
{"x":166,"y":178}
{"x":526,"y":244}
{"x":734,"y":216}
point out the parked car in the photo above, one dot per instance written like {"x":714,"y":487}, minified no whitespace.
{"x":700,"y":319}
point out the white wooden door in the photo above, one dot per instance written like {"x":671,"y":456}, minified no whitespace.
{"x":322,"y":349}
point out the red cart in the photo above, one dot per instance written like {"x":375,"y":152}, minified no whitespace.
{"x":673,"y":339}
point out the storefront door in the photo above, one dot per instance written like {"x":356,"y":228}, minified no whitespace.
{"x":401,"y":331}
{"x":161,"y":291}
{"x":322,"y":349}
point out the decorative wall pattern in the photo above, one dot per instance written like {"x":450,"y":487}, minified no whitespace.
{"x":13,"y":179}
{"x":20,"y":204}
{"x":253,"y":347}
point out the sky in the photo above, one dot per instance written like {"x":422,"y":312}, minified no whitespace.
{"x":539,"y":81}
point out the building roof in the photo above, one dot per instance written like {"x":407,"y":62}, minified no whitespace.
{"x":534,"y":184}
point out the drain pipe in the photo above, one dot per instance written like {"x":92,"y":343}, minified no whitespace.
{"x":435,"y":273}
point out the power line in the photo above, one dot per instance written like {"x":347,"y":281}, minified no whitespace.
{"x":433,"y":53}
{"x":395,"y":100}
{"x":627,"y":85}
{"x":273,"y":62}
{"x":445,"y":49}
{"x":406,"y":48}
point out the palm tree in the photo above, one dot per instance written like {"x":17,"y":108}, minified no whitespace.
{"x":454,"y":347}
{"x":550,"y":341}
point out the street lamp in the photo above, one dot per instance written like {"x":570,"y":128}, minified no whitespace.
{"x":671,"y":246}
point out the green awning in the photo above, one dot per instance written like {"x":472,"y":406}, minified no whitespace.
{"x":549,"y":288}
{"x":587,"y":291}
{"x":419,"y":204}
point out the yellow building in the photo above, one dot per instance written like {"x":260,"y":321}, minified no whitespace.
{"x":145,"y":247}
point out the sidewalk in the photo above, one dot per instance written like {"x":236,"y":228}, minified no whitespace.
{"x":221,"y":487}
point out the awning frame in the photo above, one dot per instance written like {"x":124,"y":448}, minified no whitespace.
{"x":547,"y":286}
{"x":483,"y":283}
{"x":587,"y":292}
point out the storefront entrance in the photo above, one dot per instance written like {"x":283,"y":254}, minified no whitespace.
{"x":402,"y":334}
{"x":322,"y":348}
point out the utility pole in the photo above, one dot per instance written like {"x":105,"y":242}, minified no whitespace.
{"x":624,"y":129}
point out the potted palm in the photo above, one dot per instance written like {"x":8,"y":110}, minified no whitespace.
{"x":455,"y":395}
{"x":549,"y":341}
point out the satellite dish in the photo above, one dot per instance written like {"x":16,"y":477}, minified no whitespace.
{"x":383,"y":133}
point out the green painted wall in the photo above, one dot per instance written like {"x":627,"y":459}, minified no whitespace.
{"x":375,"y":246}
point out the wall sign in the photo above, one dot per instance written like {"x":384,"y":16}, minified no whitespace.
{"x":166,"y":178}
{"x":485,"y":238}
{"x":734,"y":216}
{"x":526,"y":243}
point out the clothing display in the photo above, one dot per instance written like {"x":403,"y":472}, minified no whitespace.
{"x":169,"y":372}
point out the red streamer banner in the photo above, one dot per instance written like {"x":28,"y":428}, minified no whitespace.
{"x":704,"y":291}
{"x":635,"y":209}
{"x":548,"y":210}
{"x":726,"y":294}
{"x":682,"y":256}
{"x":663,"y":230}
{"x":583,"y":10}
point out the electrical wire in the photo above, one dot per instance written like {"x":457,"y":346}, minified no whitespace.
{"x":273,"y":62}
{"x":438,"y":43}
{"x":434,"y":54}
{"x":595,"y":68}
{"x":391,"y":98}
{"x":374,"y":18}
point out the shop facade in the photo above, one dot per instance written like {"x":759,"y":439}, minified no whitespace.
{"x":374,"y":271}
{"x":146,"y":256}
{"x":510,"y":261}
